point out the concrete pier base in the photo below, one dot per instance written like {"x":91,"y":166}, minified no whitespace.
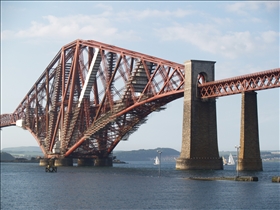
{"x":199,"y":164}
{"x":249,"y":164}
{"x":276,"y":179}
{"x":85,"y":162}
{"x":249,"y":158}
{"x":103,"y":162}
{"x":44,"y":162}
{"x":63,"y":162}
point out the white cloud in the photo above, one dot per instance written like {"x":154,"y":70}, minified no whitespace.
{"x":221,"y":21}
{"x":108,"y":26}
{"x":104,"y":7}
{"x":131,"y":15}
{"x":237,"y":7}
{"x":209,"y":39}
{"x":270,"y":36}
{"x":75,"y":27}
{"x":148,"y":13}
{"x":100,"y":26}
{"x":7,"y":34}
{"x":271,"y":5}
{"x":55,"y":27}
{"x":244,"y":8}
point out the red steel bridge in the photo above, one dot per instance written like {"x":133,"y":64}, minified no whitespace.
{"x":93,"y":95}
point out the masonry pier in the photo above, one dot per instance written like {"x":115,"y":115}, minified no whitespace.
{"x":199,"y":141}
{"x":103,"y":161}
{"x":276,"y":179}
{"x":85,"y":162}
{"x":249,"y":155}
{"x":57,"y":162}
{"x":43,"y":162}
{"x":63,"y":162}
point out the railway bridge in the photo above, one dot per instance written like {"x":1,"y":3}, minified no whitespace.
{"x":93,"y":95}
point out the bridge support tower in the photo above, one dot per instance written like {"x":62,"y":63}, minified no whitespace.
{"x":199,"y":141}
{"x":249,"y":155}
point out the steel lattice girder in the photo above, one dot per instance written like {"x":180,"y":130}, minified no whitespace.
{"x":92,"y":95}
{"x":7,"y":120}
{"x":246,"y":83}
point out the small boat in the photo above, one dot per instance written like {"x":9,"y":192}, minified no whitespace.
{"x":224,"y":161}
{"x":157,"y":162}
{"x":230,"y":160}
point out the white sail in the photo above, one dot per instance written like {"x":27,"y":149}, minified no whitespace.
{"x":156,"y":161}
{"x":224,"y":161}
{"x":230,"y":160}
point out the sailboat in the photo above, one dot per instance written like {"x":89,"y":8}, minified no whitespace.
{"x":156,"y":161}
{"x":224,"y":161}
{"x":230,"y":160}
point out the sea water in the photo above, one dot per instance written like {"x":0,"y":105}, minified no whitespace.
{"x":136,"y":185}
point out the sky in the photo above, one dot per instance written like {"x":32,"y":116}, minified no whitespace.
{"x":241,"y":36}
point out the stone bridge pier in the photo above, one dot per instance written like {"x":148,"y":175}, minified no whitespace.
{"x":199,"y":141}
{"x":249,"y":158}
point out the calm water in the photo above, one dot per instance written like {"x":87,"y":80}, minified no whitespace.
{"x":134,"y":186}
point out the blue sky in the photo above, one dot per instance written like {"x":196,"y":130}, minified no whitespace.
{"x":242,"y":37}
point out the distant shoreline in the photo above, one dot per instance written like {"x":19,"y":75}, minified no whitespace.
{"x":121,"y":162}
{"x":19,"y":161}
{"x":29,"y":155}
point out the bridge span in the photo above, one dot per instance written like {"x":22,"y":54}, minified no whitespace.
{"x":93,"y":95}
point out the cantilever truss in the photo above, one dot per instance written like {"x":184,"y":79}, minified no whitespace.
{"x":93,"y":95}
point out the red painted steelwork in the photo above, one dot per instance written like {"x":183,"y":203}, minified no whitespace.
{"x":93,"y":95}
{"x":7,"y":120}
{"x":250,"y":82}
{"x":86,"y":107}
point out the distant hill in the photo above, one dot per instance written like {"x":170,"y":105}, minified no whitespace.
{"x":24,"y":151}
{"x":6,"y":157}
{"x":23,"y":148}
{"x":167,"y":154}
